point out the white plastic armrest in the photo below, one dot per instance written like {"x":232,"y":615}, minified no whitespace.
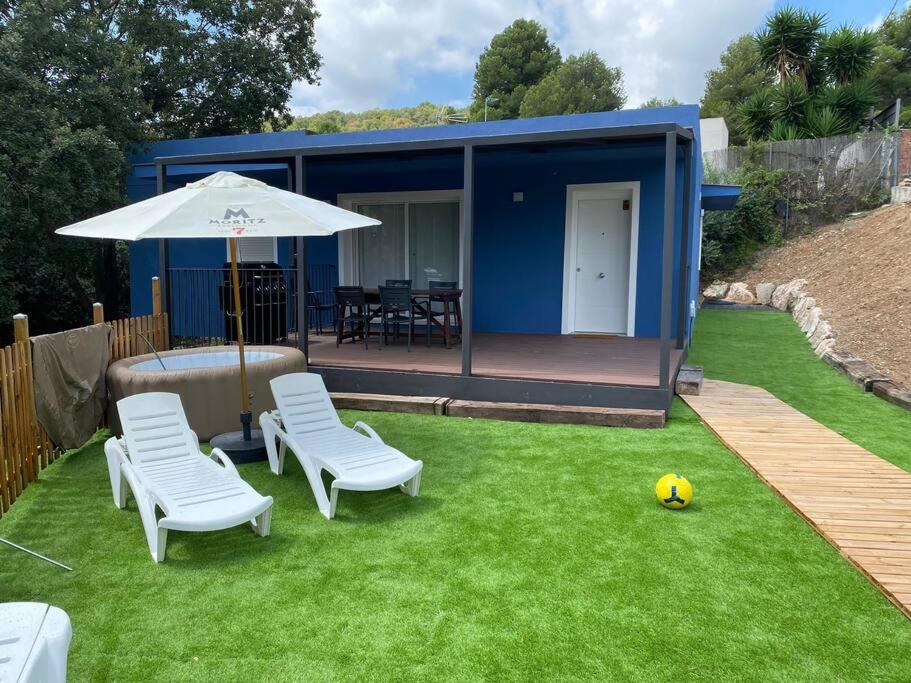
{"x":219,"y":455}
{"x":368,"y":430}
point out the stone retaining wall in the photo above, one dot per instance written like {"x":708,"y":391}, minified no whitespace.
{"x":793,"y":297}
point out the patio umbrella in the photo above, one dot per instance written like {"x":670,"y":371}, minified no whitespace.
{"x":223,"y":205}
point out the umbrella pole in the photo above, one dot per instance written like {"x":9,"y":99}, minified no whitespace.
{"x":245,"y":416}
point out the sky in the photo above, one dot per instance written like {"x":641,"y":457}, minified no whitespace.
{"x":396,"y":53}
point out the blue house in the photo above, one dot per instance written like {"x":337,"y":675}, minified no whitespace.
{"x":575,"y":241}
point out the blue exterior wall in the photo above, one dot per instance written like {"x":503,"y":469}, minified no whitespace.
{"x":518,"y":249}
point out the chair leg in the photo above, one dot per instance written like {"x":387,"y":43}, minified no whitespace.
{"x":262,"y":523}
{"x":366,"y":332}
{"x":333,"y":501}
{"x":159,"y":546}
{"x":413,"y":486}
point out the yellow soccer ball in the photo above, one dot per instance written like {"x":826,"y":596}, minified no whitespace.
{"x":674,"y":491}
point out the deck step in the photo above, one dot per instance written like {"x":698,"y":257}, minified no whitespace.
{"x":518,"y":412}
{"x":689,"y":380}
{"x":427,"y":405}
{"x":535,"y":412}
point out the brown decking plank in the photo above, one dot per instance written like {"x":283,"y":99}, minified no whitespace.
{"x":617,"y":360}
{"x":855,"y":500}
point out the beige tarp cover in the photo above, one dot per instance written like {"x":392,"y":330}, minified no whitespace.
{"x":69,"y":374}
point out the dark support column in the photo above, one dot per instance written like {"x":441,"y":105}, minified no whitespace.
{"x":164,"y":259}
{"x":683,"y":301}
{"x":667,"y":260}
{"x":303,"y":324}
{"x":467,"y":254}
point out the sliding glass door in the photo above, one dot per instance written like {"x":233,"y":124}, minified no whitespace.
{"x":419,"y":240}
{"x":433,"y":242}
{"x":382,"y":248}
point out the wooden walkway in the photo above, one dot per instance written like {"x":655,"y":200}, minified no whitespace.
{"x":857,"y":501}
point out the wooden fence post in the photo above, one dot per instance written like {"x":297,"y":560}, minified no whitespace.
{"x":20,"y":327}
{"x":97,"y":314}
{"x":156,"y":296}
{"x":25,"y":396}
{"x":161,"y":336}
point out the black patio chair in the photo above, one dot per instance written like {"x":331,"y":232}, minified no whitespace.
{"x":397,"y":309}
{"x":352,"y":309}
{"x":316,"y":306}
{"x":437,"y":289}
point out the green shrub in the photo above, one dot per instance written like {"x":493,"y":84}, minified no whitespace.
{"x":730,"y":238}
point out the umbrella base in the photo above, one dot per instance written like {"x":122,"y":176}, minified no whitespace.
{"x":241,"y":450}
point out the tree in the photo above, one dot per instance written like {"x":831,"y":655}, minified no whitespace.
{"x":847,"y":55}
{"x":891,"y":70}
{"x":822,"y":87}
{"x":82,"y":84}
{"x":787,"y":45}
{"x":739,"y":76}
{"x":583,"y":83}
{"x":424,"y":114}
{"x":655,"y":102}
{"x":516,"y":59}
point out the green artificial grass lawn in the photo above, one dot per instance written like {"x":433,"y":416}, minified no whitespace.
{"x":767,"y":349}
{"x":533,"y":552}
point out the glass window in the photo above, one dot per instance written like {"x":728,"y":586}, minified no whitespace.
{"x":418,"y":240}
{"x":434,"y":242}
{"x":382,"y":248}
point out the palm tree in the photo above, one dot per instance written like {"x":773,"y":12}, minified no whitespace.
{"x":847,"y":54}
{"x":788,"y":43}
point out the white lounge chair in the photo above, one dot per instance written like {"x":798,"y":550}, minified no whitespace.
{"x":34,"y":642}
{"x":306,"y":422}
{"x":159,"y":458}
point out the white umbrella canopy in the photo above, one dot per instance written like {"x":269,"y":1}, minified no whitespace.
{"x":223,"y":205}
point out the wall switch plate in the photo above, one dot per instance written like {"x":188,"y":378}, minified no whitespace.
{"x":518,"y":196}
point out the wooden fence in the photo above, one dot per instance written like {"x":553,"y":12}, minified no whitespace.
{"x":25,"y":448}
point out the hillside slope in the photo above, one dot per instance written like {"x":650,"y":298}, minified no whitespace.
{"x":859,"y":272}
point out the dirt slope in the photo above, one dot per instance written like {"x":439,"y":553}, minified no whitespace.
{"x":859,"y":272}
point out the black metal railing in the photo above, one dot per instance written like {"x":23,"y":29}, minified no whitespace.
{"x":202,"y":311}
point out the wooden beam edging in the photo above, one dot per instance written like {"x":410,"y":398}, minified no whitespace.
{"x":496,"y":410}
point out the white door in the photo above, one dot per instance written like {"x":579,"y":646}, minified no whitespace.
{"x":602,"y":224}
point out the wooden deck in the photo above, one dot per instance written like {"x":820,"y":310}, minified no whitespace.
{"x":857,"y":501}
{"x":602,"y":360}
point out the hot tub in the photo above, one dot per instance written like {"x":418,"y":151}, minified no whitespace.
{"x":207,"y":380}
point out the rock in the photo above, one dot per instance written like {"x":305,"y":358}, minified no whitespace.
{"x":824,"y":346}
{"x":801,"y":309}
{"x":740,"y":293}
{"x":812,"y":320}
{"x":716,"y":290}
{"x":822,"y":331}
{"x":764,"y":293}
{"x":783,"y":296}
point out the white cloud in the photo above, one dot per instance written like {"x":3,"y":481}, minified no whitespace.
{"x":374,"y":50}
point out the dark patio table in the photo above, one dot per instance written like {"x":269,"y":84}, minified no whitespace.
{"x":452,"y":305}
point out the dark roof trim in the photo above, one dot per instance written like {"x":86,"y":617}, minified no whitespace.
{"x":606,"y":133}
